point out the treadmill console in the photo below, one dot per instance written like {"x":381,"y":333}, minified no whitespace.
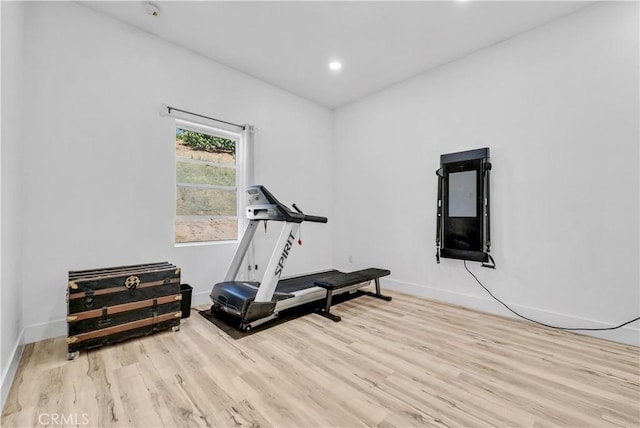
{"x":261,"y":207}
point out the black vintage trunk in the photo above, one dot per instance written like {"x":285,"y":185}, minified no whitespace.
{"x":109,"y":305}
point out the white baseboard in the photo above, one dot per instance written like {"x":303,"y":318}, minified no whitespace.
{"x":200,"y":299}
{"x":627,"y":335}
{"x":45,"y":330}
{"x":9,"y":372}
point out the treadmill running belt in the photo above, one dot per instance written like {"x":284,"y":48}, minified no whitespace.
{"x":298,"y":283}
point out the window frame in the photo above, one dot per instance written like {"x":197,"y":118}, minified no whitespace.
{"x":241,"y":167}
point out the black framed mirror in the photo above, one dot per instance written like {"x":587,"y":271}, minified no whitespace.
{"x":463,"y":217}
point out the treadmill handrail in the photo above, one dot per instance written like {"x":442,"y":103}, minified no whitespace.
{"x":314,"y":218}
{"x":253,"y":211}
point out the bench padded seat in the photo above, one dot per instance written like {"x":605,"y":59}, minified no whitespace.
{"x":341,"y":280}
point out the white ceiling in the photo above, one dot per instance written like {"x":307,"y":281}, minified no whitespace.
{"x":289,"y":44}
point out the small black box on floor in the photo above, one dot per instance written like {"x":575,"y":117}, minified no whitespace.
{"x":112,"y":304}
{"x":185,"y":304}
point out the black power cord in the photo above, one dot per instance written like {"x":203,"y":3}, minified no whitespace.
{"x":538,"y":322}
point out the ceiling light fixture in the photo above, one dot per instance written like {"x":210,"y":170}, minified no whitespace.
{"x":335,"y":65}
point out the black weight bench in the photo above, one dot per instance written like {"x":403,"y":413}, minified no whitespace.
{"x":342,"y":280}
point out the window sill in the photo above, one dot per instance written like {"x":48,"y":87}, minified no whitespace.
{"x":205,"y":243}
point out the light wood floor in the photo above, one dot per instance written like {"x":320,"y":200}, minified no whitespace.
{"x":409,"y":362}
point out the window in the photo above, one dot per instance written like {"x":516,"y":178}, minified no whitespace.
{"x":208,"y":175}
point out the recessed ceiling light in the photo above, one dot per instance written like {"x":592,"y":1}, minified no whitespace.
{"x":335,"y":65}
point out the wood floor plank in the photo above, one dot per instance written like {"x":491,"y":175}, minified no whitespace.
{"x":411,"y":362}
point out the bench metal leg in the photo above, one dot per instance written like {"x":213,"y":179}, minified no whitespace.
{"x":377,"y":294}
{"x":326,"y":312}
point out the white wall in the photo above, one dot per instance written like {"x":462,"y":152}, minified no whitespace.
{"x":98,"y":169}
{"x":10,"y":154}
{"x":558,"y":106}
{"x":99,"y":160}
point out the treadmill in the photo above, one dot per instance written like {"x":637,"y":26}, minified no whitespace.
{"x":255,"y":303}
